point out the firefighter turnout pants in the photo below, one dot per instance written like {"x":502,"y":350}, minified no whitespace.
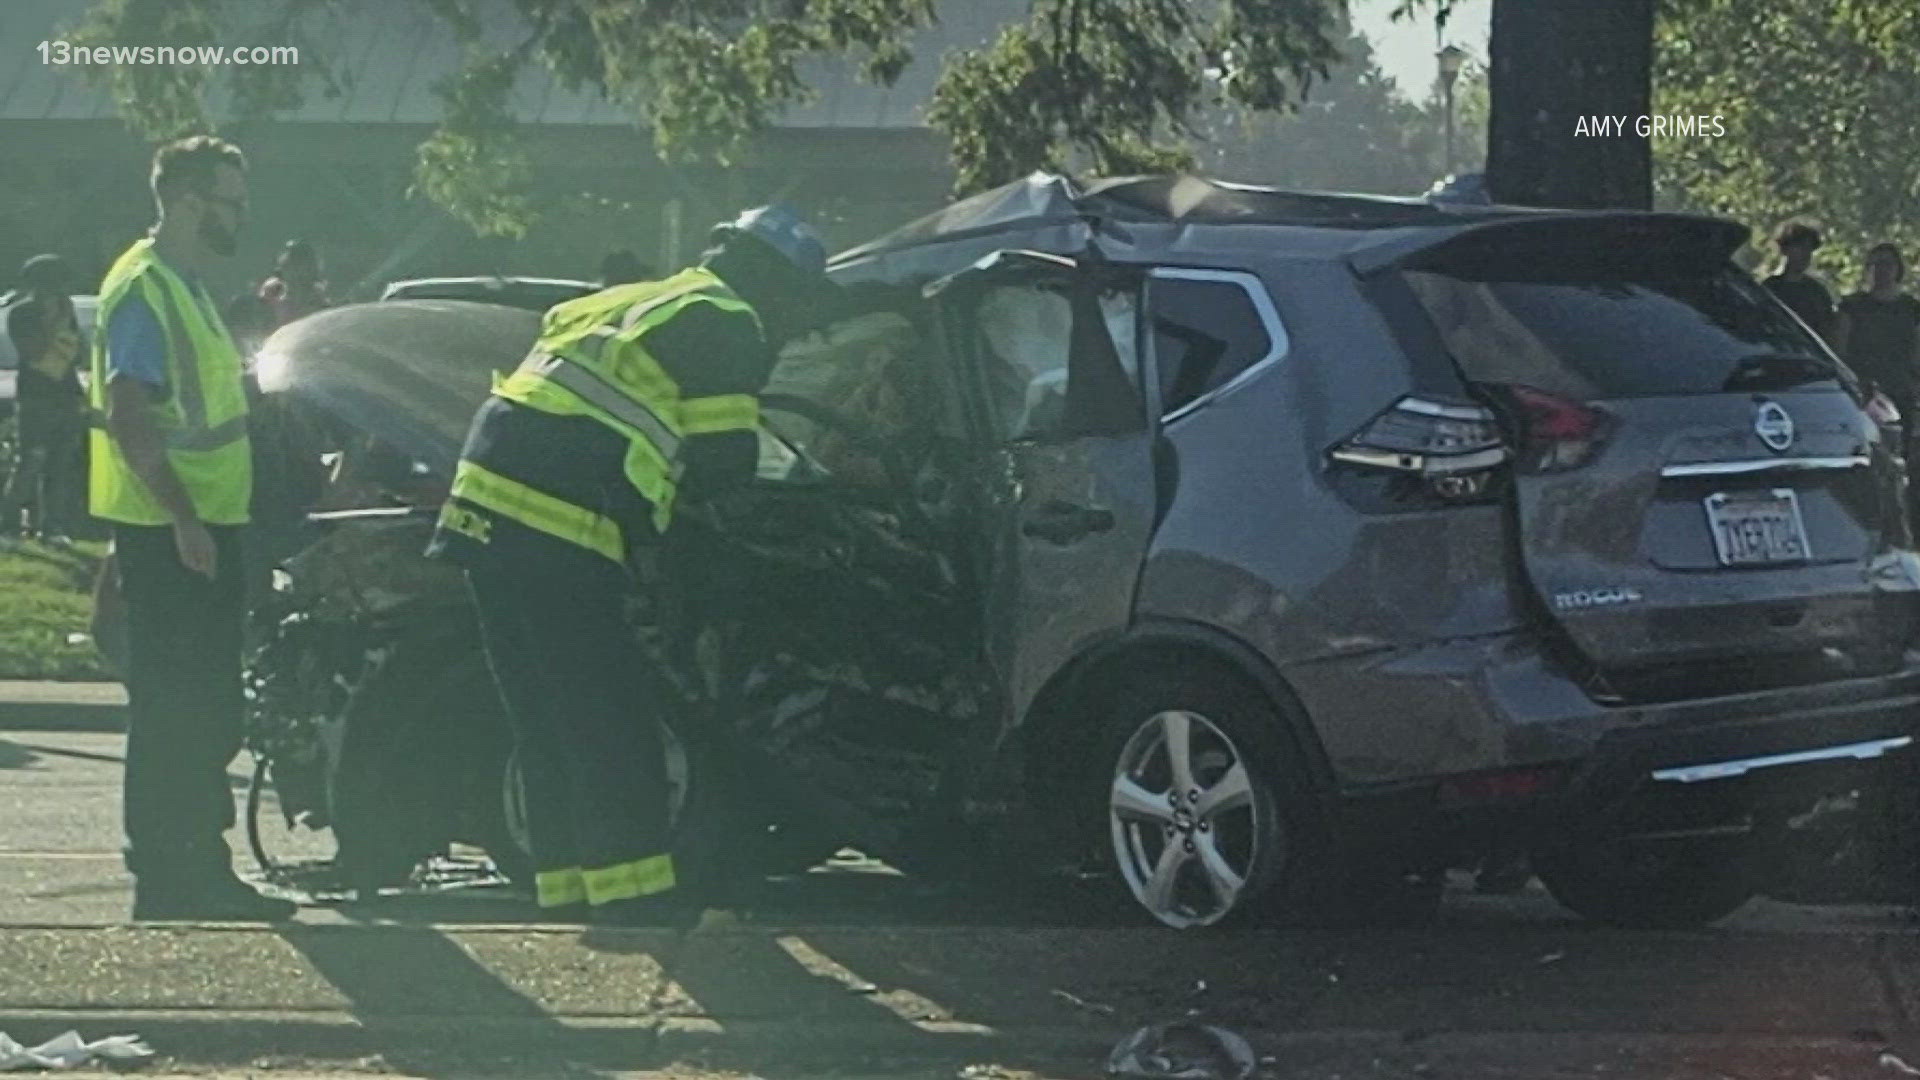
{"x":586,"y":707}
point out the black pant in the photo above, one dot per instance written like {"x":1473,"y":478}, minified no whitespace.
{"x":185,"y":706}
{"x":585,"y":707}
{"x":49,"y":466}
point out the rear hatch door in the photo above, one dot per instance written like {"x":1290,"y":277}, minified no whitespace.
{"x":1697,"y":490}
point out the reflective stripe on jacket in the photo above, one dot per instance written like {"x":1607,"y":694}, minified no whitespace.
{"x":591,"y":360}
{"x":512,"y":499}
{"x":203,"y":420}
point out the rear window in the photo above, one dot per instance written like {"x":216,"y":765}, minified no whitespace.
{"x":1207,"y":331}
{"x":1659,"y":333}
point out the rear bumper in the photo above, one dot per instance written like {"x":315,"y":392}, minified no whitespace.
{"x":1691,"y":772}
{"x":1728,"y":762}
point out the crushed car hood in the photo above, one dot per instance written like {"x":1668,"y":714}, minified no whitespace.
{"x":411,"y":372}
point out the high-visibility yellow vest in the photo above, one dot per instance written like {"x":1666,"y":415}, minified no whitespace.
{"x":591,"y":360}
{"x":203,"y":420}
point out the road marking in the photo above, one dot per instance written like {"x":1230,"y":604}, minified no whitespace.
{"x":919,"y":1011}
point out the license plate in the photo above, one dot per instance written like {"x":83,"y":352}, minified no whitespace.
{"x":1757,"y":528}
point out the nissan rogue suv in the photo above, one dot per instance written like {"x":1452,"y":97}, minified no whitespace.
{"x":1277,"y":551}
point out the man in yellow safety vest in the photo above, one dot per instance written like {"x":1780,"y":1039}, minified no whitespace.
{"x":632,"y":400}
{"x":170,"y":469}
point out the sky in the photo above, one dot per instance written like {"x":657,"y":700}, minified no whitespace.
{"x":1404,"y":49}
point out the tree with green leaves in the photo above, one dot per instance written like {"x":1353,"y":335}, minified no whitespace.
{"x":1104,"y":85}
{"x":1354,"y":132}
{"x":703,"y":76}
{"x":1120,"y":86}
{"x":1817,"y":101}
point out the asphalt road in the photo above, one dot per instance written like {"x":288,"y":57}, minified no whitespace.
{"x":855,"y":972}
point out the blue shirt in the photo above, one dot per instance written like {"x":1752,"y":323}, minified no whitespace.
{"x":136,"y":344}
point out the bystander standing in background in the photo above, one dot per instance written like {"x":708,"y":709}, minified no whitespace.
{"x":41,"y":493}
{"x":1798,"y":289}
{"x":1879,"y":333}
{"x":287,"y":474}
{"x":295,"y":290}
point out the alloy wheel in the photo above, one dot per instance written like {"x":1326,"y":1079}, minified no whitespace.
{"x":1187,"y":830}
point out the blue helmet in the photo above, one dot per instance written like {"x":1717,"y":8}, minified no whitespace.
{"x":782,"y":229}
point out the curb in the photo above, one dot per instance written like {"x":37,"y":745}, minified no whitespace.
{"x":541,"y":1045}
{"x":62,"y":716}
{"x":534,"y":1045}
{"x":33,"y":705}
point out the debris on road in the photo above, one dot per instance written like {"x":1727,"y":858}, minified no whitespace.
{"x":1554,"y":957}
{"x":1181,"y":1051}
{"x":1079,"y":1002}
{"x":713,"y":920}
{"x":67,"y":1050}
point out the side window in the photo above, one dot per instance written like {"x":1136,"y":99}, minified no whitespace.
{"x":1025,"y":333}
{"x":1026,"y":337}
{"x":1209,"y":328}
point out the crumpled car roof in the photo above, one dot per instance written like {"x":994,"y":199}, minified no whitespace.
{"x":413,"y":371}
{"x":1145,"y":218}
{"x":1044,"y":197}
{"x":1058,"y":213}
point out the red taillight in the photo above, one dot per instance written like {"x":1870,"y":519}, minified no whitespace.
{"x":1556,"y":432}
{"x":1506,"y":786}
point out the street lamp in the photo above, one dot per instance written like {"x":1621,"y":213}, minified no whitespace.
{"x":1451,"y":59}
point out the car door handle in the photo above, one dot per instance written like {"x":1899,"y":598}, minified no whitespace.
{"x":1062,"y":522}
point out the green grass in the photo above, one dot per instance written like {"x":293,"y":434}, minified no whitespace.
{"x":46,"y":593}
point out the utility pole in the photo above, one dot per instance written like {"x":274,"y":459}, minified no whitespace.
{"x":1451,"y":59}
{"x":1551,"y":62}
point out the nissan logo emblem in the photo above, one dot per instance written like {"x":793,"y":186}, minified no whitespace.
{"x":1773,"y":425}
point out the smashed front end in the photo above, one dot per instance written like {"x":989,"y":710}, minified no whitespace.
{"x":814,"y":618}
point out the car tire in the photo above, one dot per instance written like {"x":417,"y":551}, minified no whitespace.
{"x":1253,"y":844}
{"x":1642,"y":884}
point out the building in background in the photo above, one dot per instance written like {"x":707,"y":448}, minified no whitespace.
{"x":338,"y":169}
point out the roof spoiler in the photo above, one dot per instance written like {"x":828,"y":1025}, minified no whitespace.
{"x":1706,"y":238}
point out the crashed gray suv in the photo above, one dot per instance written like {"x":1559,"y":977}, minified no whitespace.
{"x":1279,"y":552}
